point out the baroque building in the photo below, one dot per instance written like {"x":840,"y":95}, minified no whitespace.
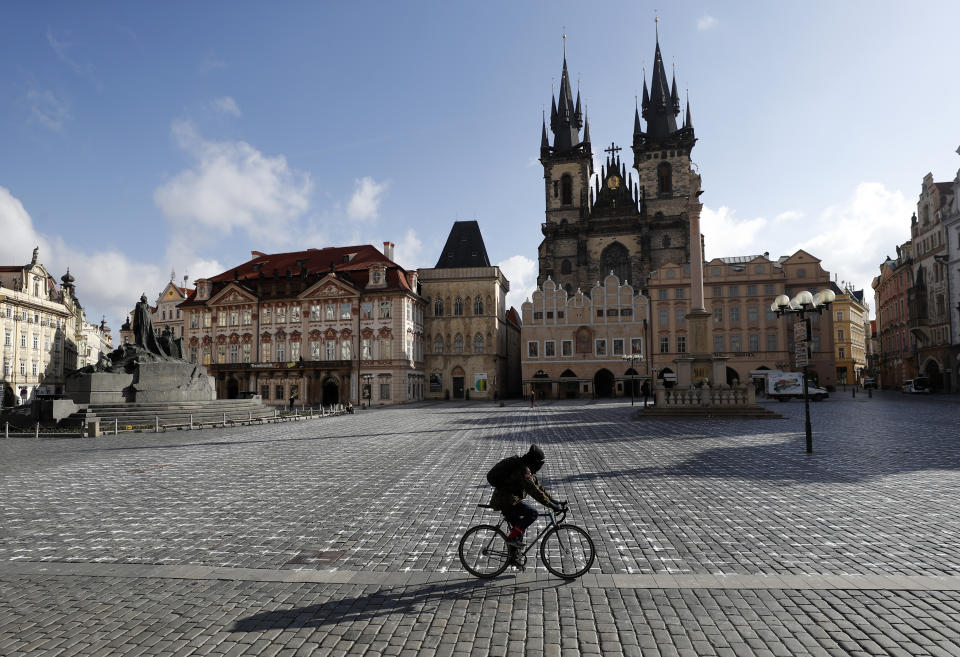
{"x":616,"y":221}
{"x":41,"y":329}
{"x":896,"y":352}
{"x":738,"y":292}
{"x":468,"y":325}
{"x":851,"y":333}
{"x":321,"y":326}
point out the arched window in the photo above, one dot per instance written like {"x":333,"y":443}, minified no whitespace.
{"x":458,"y":306}
{"x":438,"y":307}
{"x":664,"y":178}
{"x":666,"y":241}
{"x":478,"y":306}
{"x":458,"y":344}
{"x":566,"y":189}
{"x":616,"y":258}
{"x":478,"y":344}
{"x":565,"y":267}
{"x":438,"y":345}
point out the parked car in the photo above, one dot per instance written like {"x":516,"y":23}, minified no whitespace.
{"x":869,"y":382}
{"x":919,"y":385}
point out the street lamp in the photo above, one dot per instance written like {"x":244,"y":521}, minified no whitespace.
{"x":633,"y":358}
{"x":804,"y":303}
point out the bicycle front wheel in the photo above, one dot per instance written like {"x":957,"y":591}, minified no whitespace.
{"x":483,"y":551}
{"x":567,"y":551}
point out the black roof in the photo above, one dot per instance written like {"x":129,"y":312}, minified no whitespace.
{"x":464,"y":247}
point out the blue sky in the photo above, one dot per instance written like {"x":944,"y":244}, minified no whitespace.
{"x":139,"y":138}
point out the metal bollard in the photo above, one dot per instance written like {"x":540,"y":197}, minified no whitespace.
{"x":36,"y":430}
{"x":191,"y":422}
{"x":224,"y":419}
{"x":870,"y":393}
{"x":156,"y":424}
{"x":854,"y":392}
{"x":6,"y":429}
{"x":116,"y":427}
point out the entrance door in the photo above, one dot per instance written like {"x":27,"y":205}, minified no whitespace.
{"x":603,"y":383}
{"x":331,"y":392}
{"x":233,"y":388}
{"x":458,"y":387}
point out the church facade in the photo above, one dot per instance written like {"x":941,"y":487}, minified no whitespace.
{"x":617,"y":224}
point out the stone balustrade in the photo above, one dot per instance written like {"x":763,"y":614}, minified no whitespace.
{"x":739,"y":396}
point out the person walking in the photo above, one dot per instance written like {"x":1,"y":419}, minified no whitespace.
{"x":645,"y":391}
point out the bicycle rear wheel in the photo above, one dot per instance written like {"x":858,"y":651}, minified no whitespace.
{"x":567,"y":551}
{"x":483,"y":551}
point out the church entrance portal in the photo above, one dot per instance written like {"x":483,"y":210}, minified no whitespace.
{"x":603,"y":383}
{"x":331,"y":392}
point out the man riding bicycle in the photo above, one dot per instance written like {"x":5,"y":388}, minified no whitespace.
{"x":513,"y":479}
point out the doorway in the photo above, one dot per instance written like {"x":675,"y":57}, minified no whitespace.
{"x":603,"y":383}
{"x":233,"y":388}
{"x":458,"y":378}
{"x":331,"y":392}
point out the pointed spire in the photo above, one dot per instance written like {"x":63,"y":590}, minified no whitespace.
{"x":687,"y":120}
{"x":586,"y":128}
{"x":662,"y":105}
{"x":636,"y":116}
{"x":565,"y":117}
{"x":645,"y":105}
{"x":544,"y":143}
{"x":577,"y":112}
{"x":674,"y":97}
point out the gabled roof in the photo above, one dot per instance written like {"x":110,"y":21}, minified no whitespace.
{"x":464,"y":247}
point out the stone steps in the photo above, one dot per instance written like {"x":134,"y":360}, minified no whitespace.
{"x":717,"y":413}
{"x":175,"y":413}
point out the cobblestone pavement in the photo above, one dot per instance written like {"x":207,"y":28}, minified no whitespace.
{"x":713,"y":537}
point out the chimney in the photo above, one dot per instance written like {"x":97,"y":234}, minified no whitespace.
{"x":388,"y":250}
{"x":412,"y":277}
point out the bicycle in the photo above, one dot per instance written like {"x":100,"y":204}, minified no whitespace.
{"x":567,"y":551}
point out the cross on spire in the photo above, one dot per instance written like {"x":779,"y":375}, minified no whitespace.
{"x":613,"y":150}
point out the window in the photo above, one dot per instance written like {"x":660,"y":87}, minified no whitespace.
{"x":770,"y":315}
{"x":294,"y":313}
{"x":662,"y":293}
{"x":222,"y":318}
{"x":718,"y":343}
{"x":247,"y":317}
{"x":771,"y":341}
{"x":330,"y":349}
{"x":549,"y":349}
{"x":678,"y":293}
{"x":618,"y":346}
{"x":840,"y":352}
{"x":636,"y":346}
{"x":599,"y":312}
{"x":295,"y":350}
{"x":769,"y":289}
{"x":458,"y":344}
{"x":6,"y":339}
{"x":281,"y":351}
{"x":717,"y":292}
{"x":458,"y":307}
{"x":664,"y":344}
{"x":753,"y":314}
{"x":23,"y":368}
{"x":715,"y":271}
{"x":384,"y":391}
{"x":671,"y":273}
{"x":611,"y":312}
{"x":664,"y":178}
{"x":315,"y":312}
{"x":366,"y":350}
{"x":681,"y":344}
{"x":840,"y":335}
{"x":718,"y":314}
{"x":565,"y":267}
{"x":680,"y":315}
{"x":345,"y":350}
{"x":478,"y":306}
{"x":331,"y":311}
{"x":663,"y":317}
{"x":566,"y":189}
{"x":600,"y":347}
{"x":751,"y":290}
{"x":234,"y":317}
{"x":566,"y":348}
{"x":754,"y":342}
{"x":23,"y":340}
{"x":626,"y":312}
{"x":533,"y":350}
{"x":438,"y":307}
{"x":265,"y":392}
{"x":206,"y":318}
{"x":549,"y":314}
{"x":384,"y":310}
{"x":366,"y":310}
{"x":246,"y":353}
{"x":478,"y":344}
{"x":345,"y":310}
{"x":734,"y":314}
{"x":538,"y":314}
{"x":264,"y":353}
{"x":801,"y":273}
{"x":839,"y":315}
{"x":278,"y":391}
{"x":234,"y":353}
{"x":735,"y":344}
{"x":733,"y":291}
{"x":386,"y":349}
{"x":438,"y":345}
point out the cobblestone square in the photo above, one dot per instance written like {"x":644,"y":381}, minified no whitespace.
{"x":339,"y":536}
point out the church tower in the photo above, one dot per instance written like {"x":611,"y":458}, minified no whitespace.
{"x":567,"y":173}
{"x":661,"y":157}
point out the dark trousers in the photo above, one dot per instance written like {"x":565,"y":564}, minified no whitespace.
{"x":520,"y":515}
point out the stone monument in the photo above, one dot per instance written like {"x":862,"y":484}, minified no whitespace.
{"x":151,"y":370}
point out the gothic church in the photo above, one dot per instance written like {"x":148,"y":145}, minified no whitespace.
{"x":628,"y":222}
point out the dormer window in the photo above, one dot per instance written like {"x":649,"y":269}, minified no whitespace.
{"x":376,"y":277}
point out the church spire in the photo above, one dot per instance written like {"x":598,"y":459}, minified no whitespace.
{"x":637,"y":129}
{"x":565,"y":116}
{"x":544,"y":143}
{"x":687,"y":120}
{"x":661,"y":108}
{"x":586,"y":128}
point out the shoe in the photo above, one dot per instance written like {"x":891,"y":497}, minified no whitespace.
{"x":515,"y":544}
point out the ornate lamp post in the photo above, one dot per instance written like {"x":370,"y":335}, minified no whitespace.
{"x":804,"y":303}
{"x":633,"y":358}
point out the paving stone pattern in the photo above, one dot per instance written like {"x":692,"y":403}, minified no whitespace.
{"x":390,"y":491}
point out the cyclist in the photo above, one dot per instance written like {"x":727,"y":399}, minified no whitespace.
{"x":513,"y":479}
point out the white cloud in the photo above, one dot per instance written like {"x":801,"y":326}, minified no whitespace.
{"x":232,"y":185}
{"x":365,"y":202}
{"x":788,"y":217}
{"x":725,"y":235}
{"x":522,"y":274}
{"x":81,"y":68}
{"x":408,"y":252}
{"x":210,"y":63}
{"x":108,"y":282}
{"x":226,"y":105}
{"x":852,"y":238}
{"x":47,"y":110}
{"x":706,"y":22}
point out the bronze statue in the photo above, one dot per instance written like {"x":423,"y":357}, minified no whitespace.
{"x":143,"y":328}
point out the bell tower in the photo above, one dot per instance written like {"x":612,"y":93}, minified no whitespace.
{"x":567,"y":172}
